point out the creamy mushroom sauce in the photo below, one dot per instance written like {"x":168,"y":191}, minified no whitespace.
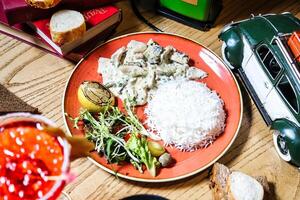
{"x":133,"y":71}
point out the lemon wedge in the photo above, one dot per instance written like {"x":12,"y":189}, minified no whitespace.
{"x":94,"y":97}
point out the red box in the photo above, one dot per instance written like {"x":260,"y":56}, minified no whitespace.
{"x":294,"y":44}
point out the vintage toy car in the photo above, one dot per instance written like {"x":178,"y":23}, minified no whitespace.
{"x":264,"y":51}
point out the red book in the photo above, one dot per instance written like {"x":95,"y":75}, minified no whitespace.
{"x":97,"y":20}
{"x":26,"y":34}
{"x":17,"y":11}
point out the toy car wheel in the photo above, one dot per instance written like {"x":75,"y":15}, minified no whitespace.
{"x":281,"y":147}
{"x":223,"y":49}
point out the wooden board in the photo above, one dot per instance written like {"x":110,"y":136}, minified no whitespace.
{"x":39,"y":79}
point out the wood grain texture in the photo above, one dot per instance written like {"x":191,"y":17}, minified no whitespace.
{"x":39,"y":79}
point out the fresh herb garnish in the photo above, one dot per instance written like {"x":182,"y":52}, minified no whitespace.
{"x":107,"y":129}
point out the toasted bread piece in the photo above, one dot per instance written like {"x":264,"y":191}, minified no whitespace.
{"x":218,"y":179}
{"x":227,"y":185}
{"x":43,"y":4}
{"x":67,"y":26}
{"x":240,"y":186}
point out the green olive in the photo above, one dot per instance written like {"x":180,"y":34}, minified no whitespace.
{"x":155,"y":148}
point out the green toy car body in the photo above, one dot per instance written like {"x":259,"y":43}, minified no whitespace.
{"x":257,"y":49}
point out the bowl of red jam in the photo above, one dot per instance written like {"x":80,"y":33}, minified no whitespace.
{"x":33,"y":163}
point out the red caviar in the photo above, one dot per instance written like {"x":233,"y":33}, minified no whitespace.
{"x":28,"y":157}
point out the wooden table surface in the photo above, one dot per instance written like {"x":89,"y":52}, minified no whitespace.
{"x":39,"y":79}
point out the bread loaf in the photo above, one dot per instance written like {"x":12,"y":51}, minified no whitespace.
{"x":240,"y":186}
{"x":67,"y":26}
{"x":218,"y":180}
{"x":43,"y":4}
{"x":228,"y":185}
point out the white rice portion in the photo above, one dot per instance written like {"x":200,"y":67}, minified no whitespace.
{"x":186,"y":114}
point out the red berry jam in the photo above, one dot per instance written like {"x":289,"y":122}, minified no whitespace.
{"x":29,"y":156}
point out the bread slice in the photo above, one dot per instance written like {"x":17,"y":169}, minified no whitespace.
{"x":228,"y":185}
{"x":43,"y":4}
{"x":218,"y":180}
{"x":67,"y":26}
{"x":240,"y":186}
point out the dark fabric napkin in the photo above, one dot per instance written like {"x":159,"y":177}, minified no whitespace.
{"x":11,"y":103}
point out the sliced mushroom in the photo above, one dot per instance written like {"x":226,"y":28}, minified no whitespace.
{"x":181,"y":70}
{"x":134,"y":57}
{"x":136,"y":46}
{"x":118,"y":56}
{"x":133,"y":69}
{"x":166,"y":55}
{"x":166,"y":70}
{"x":195,"y":73}
{"x":179,"y":58}
{"x":153,"y":53}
